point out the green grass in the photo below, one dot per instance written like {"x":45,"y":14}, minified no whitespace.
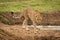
{"x":40,"y":5}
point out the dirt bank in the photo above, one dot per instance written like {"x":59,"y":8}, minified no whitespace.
{"x":15,"y":32}
{"x":48,"y":18}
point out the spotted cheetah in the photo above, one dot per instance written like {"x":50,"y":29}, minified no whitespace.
{"x":34,"y":15}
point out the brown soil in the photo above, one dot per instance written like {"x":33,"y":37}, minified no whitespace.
{"x":15,"y":32}
{"x":49,"y":18}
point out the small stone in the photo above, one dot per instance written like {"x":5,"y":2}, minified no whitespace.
{"x":27,"y":29}
{"x":36,"y":30}
{"x":23,"y":27}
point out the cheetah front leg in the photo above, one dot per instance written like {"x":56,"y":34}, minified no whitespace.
{"x":25,"y":24}
{"x":35,"y":29}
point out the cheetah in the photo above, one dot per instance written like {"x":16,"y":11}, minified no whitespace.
{"x":34,"y":16}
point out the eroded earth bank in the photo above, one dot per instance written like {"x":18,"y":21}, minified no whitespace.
{"x":15,"y":32}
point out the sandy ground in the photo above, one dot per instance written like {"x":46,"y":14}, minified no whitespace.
{"x":15,"y":32}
